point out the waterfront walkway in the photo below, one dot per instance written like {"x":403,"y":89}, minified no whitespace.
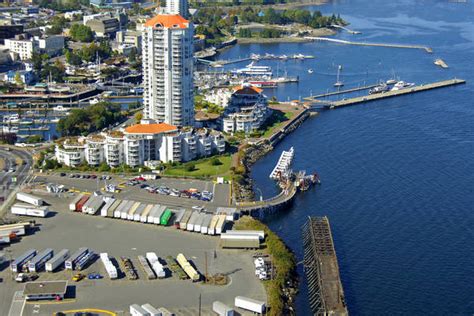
{"x":326,"y":295}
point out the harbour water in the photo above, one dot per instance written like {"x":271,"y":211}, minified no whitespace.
{"x":397,"y":174}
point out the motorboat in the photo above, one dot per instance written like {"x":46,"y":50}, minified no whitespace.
{"x":400,"y":85}
{"x":310,"y":71}
{"x":379,"y":89}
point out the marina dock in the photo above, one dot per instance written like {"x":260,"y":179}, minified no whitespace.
{"x":325,"y":95}
{"x":326,"y":295}
{"x":389,"y":94}
{"x":333,"y":40}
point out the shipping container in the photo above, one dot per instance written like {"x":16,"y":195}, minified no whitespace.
{"x":81,"y":203}
{"x":108,"y":204}
{"x":165,"y":217}
{"x":250,"y":304}
{"x":192,"y":221}
{"x":146,"y":212}
{"x":126,"y":209}
{"x":138,"y":213}
{"x":165,"y":312}
{"x":137,"y":310}
{"x":187,"y":267}
{"x":184,"y":221}
{"x":38,"y":262}
{"x":91,"y":199}
{"x":198,"y":223}
{"x":205,"y":223}
{"x":16,"y":264}
{"x":94,"y":206}
{"x":212,"y":226}
{"x":158,"y":215}
{"x":146,"y":268}
{"x":57,"y":260}
{"x":151,"y":310}
{"x":109,"y":266}
{"x":119,"y":208}
{"x":155,"y":264}
{"x":220,"y":226}
{"x":259,"y":233}
{"x":30,"y":199}
{"x":178,"y":216}
{"x":221,"y":309}
{"x":112,"y":208}
{"x":72,"y":261}
{"x":240,"y":241}
{"x":73,"y":204}
{"x":132,"y":211}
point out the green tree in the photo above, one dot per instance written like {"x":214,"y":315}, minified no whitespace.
{"x":190,"y":167}
{"x":81,"y":33}
{"x":18,"y":80}
{"x":138,"y":117}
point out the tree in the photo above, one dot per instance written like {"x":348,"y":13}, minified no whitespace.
{"x":72,"y":58}
{"x":215,"y":162}
{"x":190,"y":167}
{"x":132,"y":57}
{"x":81,"y":33}
{"x":138,"y":117}
{"x":18,"y":80}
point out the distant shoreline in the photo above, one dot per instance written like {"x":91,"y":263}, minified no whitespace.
{"x":286,"y":39}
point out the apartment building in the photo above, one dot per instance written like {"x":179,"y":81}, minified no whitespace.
{"x":167,"y":49}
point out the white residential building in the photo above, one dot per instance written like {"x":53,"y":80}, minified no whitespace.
{"x":139,"y":144}
{"x":177,"y":7}
{"x":220,"y":97}
{"x":50,"y":45}
{"x":167,"y":50}
{"x":246,"y":111}
{"x":23,"y":47}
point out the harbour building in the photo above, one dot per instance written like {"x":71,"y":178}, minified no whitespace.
{"x":167,"y":48}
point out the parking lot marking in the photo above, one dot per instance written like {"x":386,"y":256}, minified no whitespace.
{"x":18,"y":304}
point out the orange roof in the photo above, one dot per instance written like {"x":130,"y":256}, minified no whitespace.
{"x":150,"y":128}
{"x":247,"y":89}
{"x":168,"y":21}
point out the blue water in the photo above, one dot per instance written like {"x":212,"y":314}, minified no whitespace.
{"x":397,"y":174}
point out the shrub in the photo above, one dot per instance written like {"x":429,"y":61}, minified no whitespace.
{"x":215,"y":162}
{"x":190,"y":167}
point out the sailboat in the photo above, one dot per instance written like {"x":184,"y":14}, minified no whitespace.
{"x":339,"y":83}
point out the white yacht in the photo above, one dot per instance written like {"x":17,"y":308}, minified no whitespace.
{"x":252,"y":70}
{"x":400,"y":85}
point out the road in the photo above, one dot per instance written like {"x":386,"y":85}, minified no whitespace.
{"x":21,"y":172}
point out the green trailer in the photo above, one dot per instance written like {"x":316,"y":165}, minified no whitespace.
{"x":165,"y":217}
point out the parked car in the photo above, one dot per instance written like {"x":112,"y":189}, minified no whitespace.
{"x":174,"y":192}
{"x":78,"y":277}
{"x":62,"y":174}
{"x":94,"y":276}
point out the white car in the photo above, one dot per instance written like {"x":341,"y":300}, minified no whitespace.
{"x":21,"y":277}
{"x":174,"y":192}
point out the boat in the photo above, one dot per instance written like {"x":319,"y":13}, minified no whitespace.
{"x":400,"y":85}
{"x":26,"y":121}
{"x":263,"y":84}
{"x":94,"y":101}
{"x":310,"y":71}
{"x":59,"y":108}
{"x":54,"y":120}
{"x":299,"y":56}
{"x":12,"y":118}
{"x":339,"y":83}
{"x":391,"y":81}
{"x":441,"y":63}
{"x":381,"y":88}
{"x":283,"y":165}
{"x":283,"y":57}
{"x":255,"y":57}
{"x":252,"y":70}
{"x":10,"y":129}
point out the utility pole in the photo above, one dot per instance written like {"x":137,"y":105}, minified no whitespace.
{"x":199,"y":304}
{"x":205,"y":276}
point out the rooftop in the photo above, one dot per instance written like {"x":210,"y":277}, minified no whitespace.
{"x":247,"y":89}
{"x":150,"y":128}
{"x":168,"y":21}
{"x":45,"y":288}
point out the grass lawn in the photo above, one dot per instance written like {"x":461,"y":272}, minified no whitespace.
{"x":275,"y":121}
{"x":203,"y":168}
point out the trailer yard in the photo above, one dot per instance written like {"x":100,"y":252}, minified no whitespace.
{"x":130,"y":239}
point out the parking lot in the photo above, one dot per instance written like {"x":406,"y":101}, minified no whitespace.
{"x":130,"y":239}
{"x":220,"y":192}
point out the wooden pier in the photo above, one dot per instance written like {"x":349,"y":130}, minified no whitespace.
{"x":326,"y":295}
{"x":324,"y":95}
{"x":389,"y":94}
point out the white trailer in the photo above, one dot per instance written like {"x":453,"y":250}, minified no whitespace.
{"x":137,"y":310}
{"x":57,"y":260}
{"x":4,"y":240}
{"x":151,"y":310}
{"x":205,"y":223}
{"x":151,"y":215}
{"x":28,"y":198}
{"x":29,"y":210}
{"x":165,"y":312}
{"x":212,"y":226}
{"x":199,"y":221}
{"x":72,"y":205}
{"x":132,"y":211}
{"x":192,"y":220}
{"x":70,"y":263}
{"x":178,"y":216}
{"x":37,"y":263}
{"x":259,"y":233}
{"x":94,"y":206}
{"x":125,"y":210}
{"x":138,"y":213}
{"x":88,"y":202}
{"x":146,"y":212}
{"x":155,"y":264}
{"x":221,"y":309}
{"x":112,"y":208}
{"x":107,"y":205}
{"x":119,"y":208}
{"x":220,"y":226}
{"x":250,"y":304}
{"x":109,"y":266}
{"x":18,"y":229}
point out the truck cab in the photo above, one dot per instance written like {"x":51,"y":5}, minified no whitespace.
{"x":21,"y":277}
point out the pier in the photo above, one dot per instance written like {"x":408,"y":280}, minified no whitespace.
{"x":220,"y":63}
{"x":324,"y":95}
{"x":333,"y":40}
{"x":345,"y":29}
{"x":326,"y":295}
{"x":390,"y":94}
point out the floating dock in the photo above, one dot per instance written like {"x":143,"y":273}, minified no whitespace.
{"x":326,"y":295}
{"x":389,"y":94}
{"x":283,"y":164}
